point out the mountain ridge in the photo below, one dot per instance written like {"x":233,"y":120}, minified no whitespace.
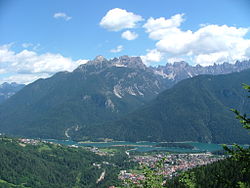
{"x":94,"y":92}
{"x":182,"y":70}
{"x":99,"y":91}
{"x":196,"y":109}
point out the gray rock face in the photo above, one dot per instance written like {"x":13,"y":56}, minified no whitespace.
{"x":172,"y":72}
{"x":182,"y":70}
{"x":134,"y":78}
{"x":162,"y":77}
{"x":100,"y":63}
{"x":126,"y":75}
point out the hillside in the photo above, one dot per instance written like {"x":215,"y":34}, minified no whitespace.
{"x":224,"y":173}
{"x":95,"y":92}
{"x":44,"y":165}
{"x":196,"y":109}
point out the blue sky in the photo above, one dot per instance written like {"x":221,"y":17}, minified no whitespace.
{"x":41,"y":37}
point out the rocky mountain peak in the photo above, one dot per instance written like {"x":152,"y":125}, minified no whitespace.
{"x":101,"y":62}
{"x":180,"y":64}
{"x":99,"y":58}
{"x":132,"y":62}
{"x":182,"y":70}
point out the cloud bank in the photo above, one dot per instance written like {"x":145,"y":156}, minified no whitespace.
{"x":27,"y":66}
{"x":152,"y":56}
{"x":208,"y":45}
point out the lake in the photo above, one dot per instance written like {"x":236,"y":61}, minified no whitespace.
{"x":145,"y":146}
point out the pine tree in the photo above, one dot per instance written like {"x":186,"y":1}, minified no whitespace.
{"x":238,"y":152}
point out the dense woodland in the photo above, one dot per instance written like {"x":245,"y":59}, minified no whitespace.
{"x":50,"y":165}
{"x":226,"y":173}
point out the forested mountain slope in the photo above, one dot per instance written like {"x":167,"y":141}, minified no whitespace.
{"x":196,"y":109}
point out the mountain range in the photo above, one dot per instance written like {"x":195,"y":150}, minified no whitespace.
{"x":182,"y":70}
{"x":127,"y":94}
{"x":9,"y":89}
{"x":98,"y":91}
{"x":173,"y":72}
{"x":196,"y":109}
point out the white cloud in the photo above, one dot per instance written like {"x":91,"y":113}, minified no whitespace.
{"x":117,"y":49}
{"x":152,"y":56}
{"x":208,"y":59}
{"x":153,"y":25}
{"x":174,"y":41}
{"x":160,"y":27}
{"x":207,"y":45}
{"x":129,"y":35}
{"x":117,"y":19}
{"x":62,"y":15}
{"x":31,"y":62}
{"x":32,"y":65}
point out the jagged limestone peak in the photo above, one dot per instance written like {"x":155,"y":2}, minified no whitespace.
{"x":99,"y":58}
